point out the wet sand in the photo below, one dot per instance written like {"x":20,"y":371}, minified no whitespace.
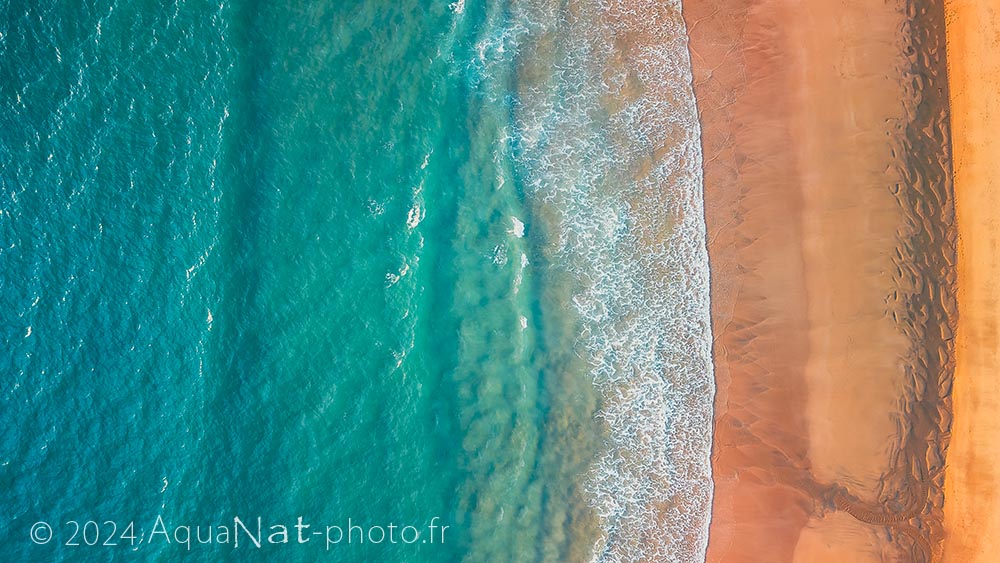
{"x":828,"y":208}
{"x":972,"y":479}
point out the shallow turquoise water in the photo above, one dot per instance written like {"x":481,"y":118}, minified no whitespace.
{"x":371,"y":263}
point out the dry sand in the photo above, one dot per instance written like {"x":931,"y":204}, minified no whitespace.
{"x":828,"y":205}
{"x":972,"y":478}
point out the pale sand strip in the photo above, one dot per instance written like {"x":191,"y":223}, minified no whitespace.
{"x":972,"y":477}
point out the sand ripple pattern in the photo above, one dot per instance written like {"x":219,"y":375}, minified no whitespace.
{"x":924,"y":305}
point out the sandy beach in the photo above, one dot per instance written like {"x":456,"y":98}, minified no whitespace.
{"x":828,"y":204}
{"x":972,"y":479}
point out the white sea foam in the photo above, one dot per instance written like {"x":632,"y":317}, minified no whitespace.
{"x":500,"y":255}
{"x":630,"y":230}
{"x":375,"y":208}
{"x":517,"y":227}
{"x":417,"y":212}
{"x":414,"y":216}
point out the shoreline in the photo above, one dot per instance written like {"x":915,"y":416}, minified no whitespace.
{"x":972,"y":477}
{"x":828,"y":204}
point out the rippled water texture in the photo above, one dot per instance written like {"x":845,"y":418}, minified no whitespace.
{"x":380,"y":261}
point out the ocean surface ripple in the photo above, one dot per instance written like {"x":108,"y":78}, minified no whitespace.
{"x":382,"y":260}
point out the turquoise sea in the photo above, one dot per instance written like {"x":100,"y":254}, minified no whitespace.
{"x":417,"y":267}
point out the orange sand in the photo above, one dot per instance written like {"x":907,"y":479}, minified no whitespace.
{"x":972,"y":477}
{"x":803,"y":108}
